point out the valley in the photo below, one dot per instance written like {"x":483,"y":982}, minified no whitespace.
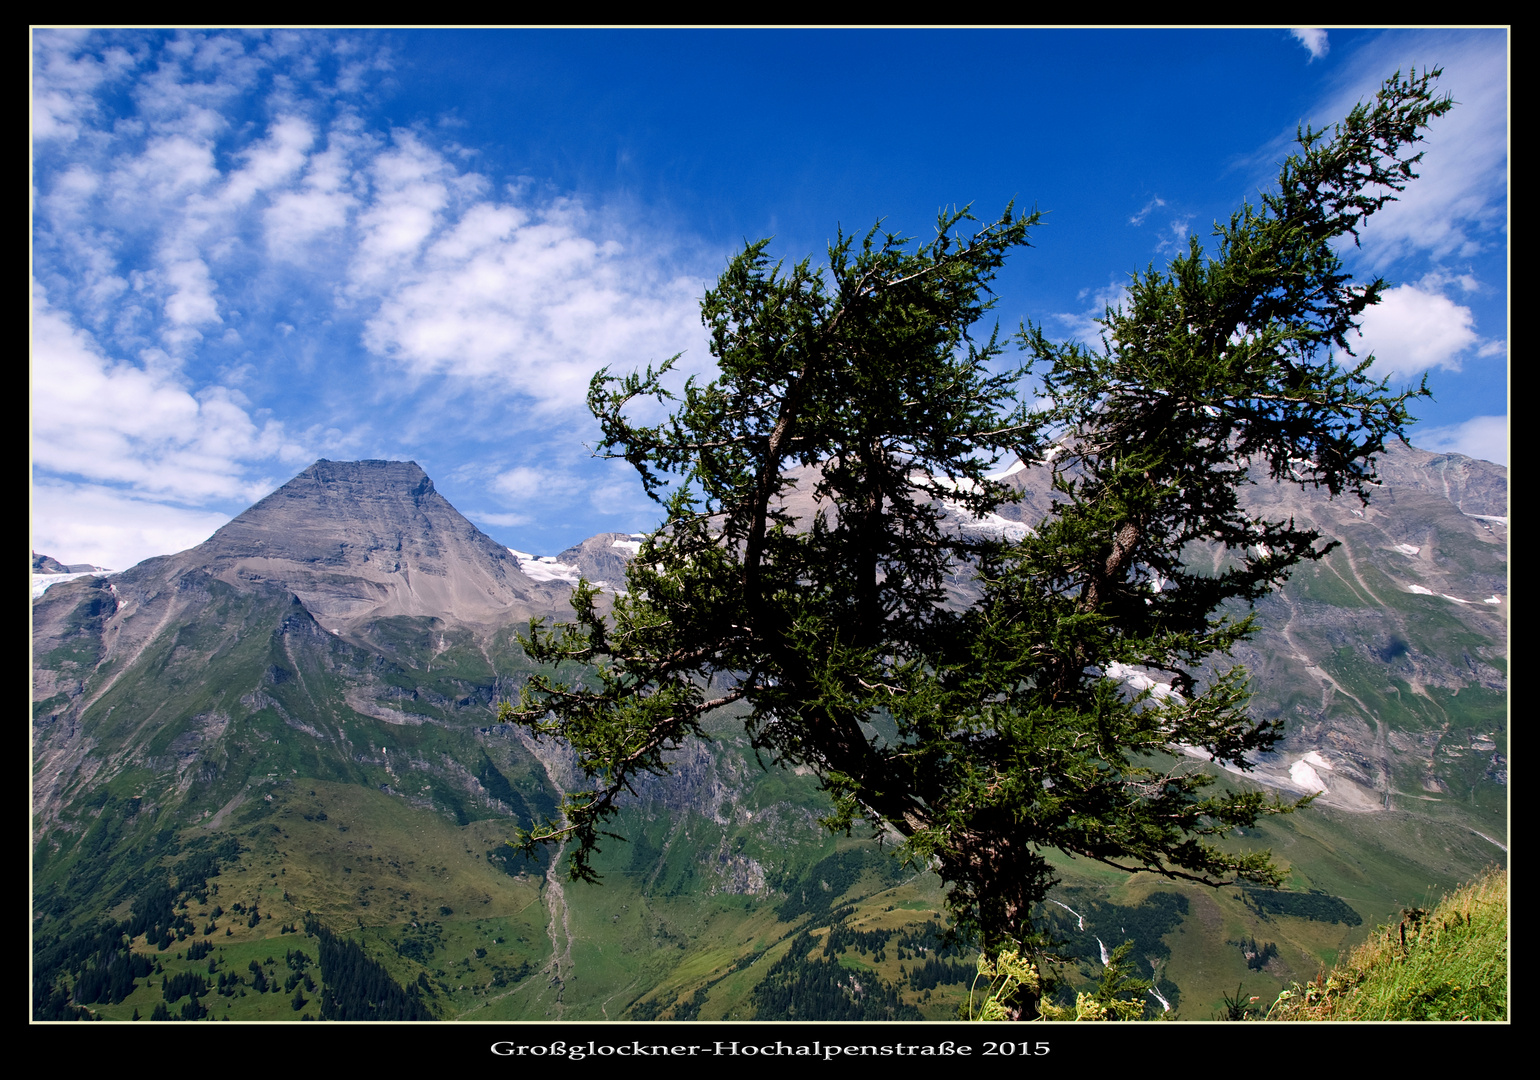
{"x":284,"y":742}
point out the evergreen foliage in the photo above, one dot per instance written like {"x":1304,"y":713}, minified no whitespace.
{"x":929,"y":939}
{"x":986,"y":735}
{"x":183,"y":984}
{"x":803,"y":987}
{"x":1256,"y":955}
{"x":356,"y":987}
{"x":933,"y":973}
{"x":97,"y":954}
{"x":1314,"y":905}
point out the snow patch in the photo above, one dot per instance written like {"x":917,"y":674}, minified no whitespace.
{"x":1141,"y":682}
{"x":1310,"y":468}
{"x":992,"y":525}
{"x":962,"y":484}
{"x":1204,"y":755}
{"x":42,"y":582}
{"x":633,"y":546}
{"x":1420,"y":591}
{"x":546,"y":568}
{"x":1407,"y":549}
{"x":1306,"y":777}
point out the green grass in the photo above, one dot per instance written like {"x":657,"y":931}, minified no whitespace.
{"x":1447,"y":964}
{"x":376,"y":825}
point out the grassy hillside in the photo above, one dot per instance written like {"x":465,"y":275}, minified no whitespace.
{"x":728,"y":902}
{"x":1450,"y":963}
{"x":744,"y":911}
{"x":248,"y":768}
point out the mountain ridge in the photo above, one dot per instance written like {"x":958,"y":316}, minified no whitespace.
{"x":339,"y":649}
{"x":401,"y":540}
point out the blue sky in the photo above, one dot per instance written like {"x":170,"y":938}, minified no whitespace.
{"x":252,"y":250}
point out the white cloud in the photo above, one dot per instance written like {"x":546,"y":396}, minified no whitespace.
{"x":108,"y":527}
{"x":116,"y":421}
{"x":192,"y":303}
{"x":1484,"y":437}
{"x":1312,"y":38}
{"x":533,"y":300}
{"x":621,"y":497}
{"x":272,"y":161}
{"x":512,"y":297}
{"x":211,"y":211}
{"x":525,"y":483}
{"x":66,"y":80}
{"x":1175,"y":237}
{"x":501,"y":520}
{"x":411,"y":186}
{"x":1412,"y":330}
{"x":1144,"y":212}
{"x":167,"y":171}
{"x":1085,"y":326}
{"x":320,"y":205}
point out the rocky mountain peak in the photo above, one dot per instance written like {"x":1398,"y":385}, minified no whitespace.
{"x":336,"y":505}
{"x":358,"y":540}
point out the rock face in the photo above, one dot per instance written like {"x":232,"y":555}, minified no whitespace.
{"x":603,"y":557}
{"x":47,"y":564}
{"x":1386,"y":660}
{"x":361,"y":540}
{"x":357,"y":572}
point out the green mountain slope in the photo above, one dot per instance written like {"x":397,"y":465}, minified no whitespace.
{"x":283,"y":742}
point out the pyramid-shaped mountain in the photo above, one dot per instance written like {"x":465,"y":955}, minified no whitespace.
{"x":361,"y":540}
{"x":333,"y":599}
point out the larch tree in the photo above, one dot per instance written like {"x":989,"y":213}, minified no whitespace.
{"x":987,"y":733}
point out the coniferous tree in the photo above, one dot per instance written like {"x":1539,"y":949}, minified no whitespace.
{"x":1009,"y":725}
